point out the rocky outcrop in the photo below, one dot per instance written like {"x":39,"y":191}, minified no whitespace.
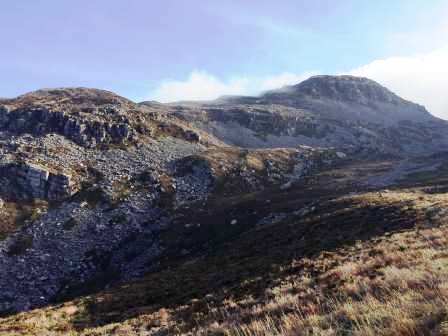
{"x":33,"y":179}
{"x":36,"y":182}
{"x":40,"y":121}
{"x":263,"y":121}
{"x":59,"y":186}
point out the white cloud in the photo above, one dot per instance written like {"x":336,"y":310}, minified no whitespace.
{"x":422,"y":78}
{"x":201,"y":85}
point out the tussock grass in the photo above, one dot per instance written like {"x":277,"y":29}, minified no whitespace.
{"x":403,"y":295}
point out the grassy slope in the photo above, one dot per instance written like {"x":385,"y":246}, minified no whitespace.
{"x":367,"y":263}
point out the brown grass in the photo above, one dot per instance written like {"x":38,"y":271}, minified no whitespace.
{"x":390,"y":284}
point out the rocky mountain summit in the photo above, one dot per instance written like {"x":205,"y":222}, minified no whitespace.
{"x":96,"y":189}
{"x":366,"y":95}
{"x":350,"y":113}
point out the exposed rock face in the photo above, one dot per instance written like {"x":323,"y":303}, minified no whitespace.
{"x":59,"y":186}
{"x":41,"y":121}
{"x":89,"y":117}
{"x":34,"y":179}
{"x":37,"y":182}
{"x":264,"y":120}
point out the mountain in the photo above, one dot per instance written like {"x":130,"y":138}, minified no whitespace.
{"x":221,"y":217}
{"x":348,"y":97}
{"x":345,"y":112}
{"x":333,"y":97}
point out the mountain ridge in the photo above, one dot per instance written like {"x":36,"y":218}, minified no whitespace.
{"x":333,"y":111}
{"x":335,"y":87}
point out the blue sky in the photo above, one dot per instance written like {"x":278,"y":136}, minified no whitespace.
{"x":173,"y":49}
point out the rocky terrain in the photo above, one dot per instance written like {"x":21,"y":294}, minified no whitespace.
{"x":98,"y":192}
{"x":353,"y":114}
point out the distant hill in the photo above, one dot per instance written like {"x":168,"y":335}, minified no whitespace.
{"x":351,"y":113}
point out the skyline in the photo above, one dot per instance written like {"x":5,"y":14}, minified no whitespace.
{"x":178,"y":51}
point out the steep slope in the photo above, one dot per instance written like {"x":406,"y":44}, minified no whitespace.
{"x":81,"y":173}
{"x":349,"y":113}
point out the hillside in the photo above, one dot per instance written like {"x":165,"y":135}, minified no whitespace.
{"x":316,"y":260}
{"x":302,"y":211}
{"x":349,"y":113}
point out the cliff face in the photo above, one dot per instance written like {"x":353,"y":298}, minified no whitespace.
{"x":85,"y":116}
{"x":89,"y":118}
{"x":33,"y":182}
{"x":40,"y":121}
